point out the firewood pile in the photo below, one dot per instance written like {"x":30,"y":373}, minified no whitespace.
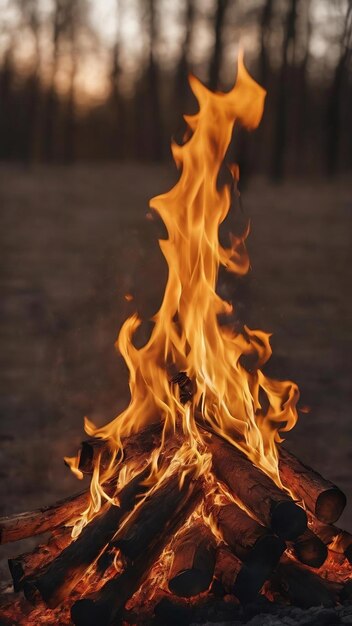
{"x":253,"y":538}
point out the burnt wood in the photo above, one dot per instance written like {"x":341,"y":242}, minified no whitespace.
{"x":310,"y":549}
{"x":24,"y":564}
{"x":273,"y":507}
{"x":136,"y":444}
{"x":161,"y":515}
{"x":193,"y":562}
{"x":320,"y":496}
{"x":302,"y":587}
{"x":231,"y":576}
{"x":341,"y":540}
{"x":245,"y":536}
{"x":44,"y":519}
{"x":59,"y":578}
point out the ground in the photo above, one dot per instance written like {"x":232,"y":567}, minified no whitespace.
{"x":76,"y":239}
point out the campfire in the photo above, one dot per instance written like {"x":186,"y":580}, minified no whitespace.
{"x":192,"y":495}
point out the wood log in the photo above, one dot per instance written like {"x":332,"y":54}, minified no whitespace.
{"x":142,"y":541}
{"x":231,"y":576}
{"x":273,"y":507}
{"x":303,"y":588}
{"x":246,"y":537}
{"x":193,"y":563}
{"x":338,"y":540}
{"x":24,"y":564}
{"x":60,"y":577}
{"x":44,"y":519}
{"x":320,"y":496}
{"x":309,"y":549}
{"x":257,"y":546}
{"x":142,"y":442}
{"x":227,"y":568}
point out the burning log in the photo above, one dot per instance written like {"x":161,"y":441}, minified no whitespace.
{"x":338,"y":540}
{"x":194,"y":561}
{"x":147,"y":533}
{"x":24,"y":564}
{"x":320,"y":496}
{"x":310,"y":549}
{"x":246,"y":537}
{"x":231,"y":576}
{"x":302,"y":587}
{"x":273,"y":507}
{"x":252,"y":543}
{"x":31,"y":523}
{"x":58,"y":579}
{"x":137,"y":444}
{"x":227,"y":568}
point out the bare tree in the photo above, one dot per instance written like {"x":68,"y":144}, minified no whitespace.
{"x":336,"y":94}
{"x":118,"y":147}
{"x":216,"y":59}
{"x":280,"y":130}
{"x":182,"y":69}
{"x":265,"y":21}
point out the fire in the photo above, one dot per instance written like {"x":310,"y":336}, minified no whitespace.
{"x":246,"y":408}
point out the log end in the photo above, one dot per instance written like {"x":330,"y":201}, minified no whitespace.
{"x":190,"y":582}
{"x":258,"y":567}
{"x":312,"y":552}
{"x":288,"y":520}
{"x":330,"y":505}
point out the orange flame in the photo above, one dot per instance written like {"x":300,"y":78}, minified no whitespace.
{"x":247,"y":408}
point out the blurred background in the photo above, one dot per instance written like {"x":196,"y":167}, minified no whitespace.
{"x":91,"y":92}
{"x":81,"y":79}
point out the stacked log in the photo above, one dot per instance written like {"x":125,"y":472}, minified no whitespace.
{"x":269,"y":504}
{"x":255,"y":527}
{"x":141,"y":542}
{"x":193,"y":563}
{"x":320,"y":496}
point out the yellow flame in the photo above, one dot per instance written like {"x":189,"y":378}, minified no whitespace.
{"x":247,"y":408}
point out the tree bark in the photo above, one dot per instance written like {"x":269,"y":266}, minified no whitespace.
{"x":24,"y":564}
{"x":273,"y":507}
{"x":194,"y":561}
{"x":61,"y":576}
{"x":320,"y":496}
{"x":31,"y":523}
{"x":147,"y":533}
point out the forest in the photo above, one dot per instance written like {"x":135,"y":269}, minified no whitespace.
{"x":88,"y":80}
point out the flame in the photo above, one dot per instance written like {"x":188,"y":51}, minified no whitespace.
{"x":245,"y":407}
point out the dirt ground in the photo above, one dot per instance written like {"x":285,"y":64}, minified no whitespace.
{"x":75,"y":240}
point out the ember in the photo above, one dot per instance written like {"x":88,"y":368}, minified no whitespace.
{"x":191,"y":493}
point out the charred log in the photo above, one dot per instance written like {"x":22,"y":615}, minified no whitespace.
{"x":194,"y":561}
{"x":42,"y":520}
{"x":321,"y":497}
{"x":338,"y":540}
{"x":309,"y":549}
{"x":273,"y":507}
{"x":142,"y":442}
{"x":24,"y":564}
{"x":142,"y":541}
{"x":244,"y":580}
{"x":302,"y":587}
{"x":257,"y":546}
{"x":58,"y":579}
